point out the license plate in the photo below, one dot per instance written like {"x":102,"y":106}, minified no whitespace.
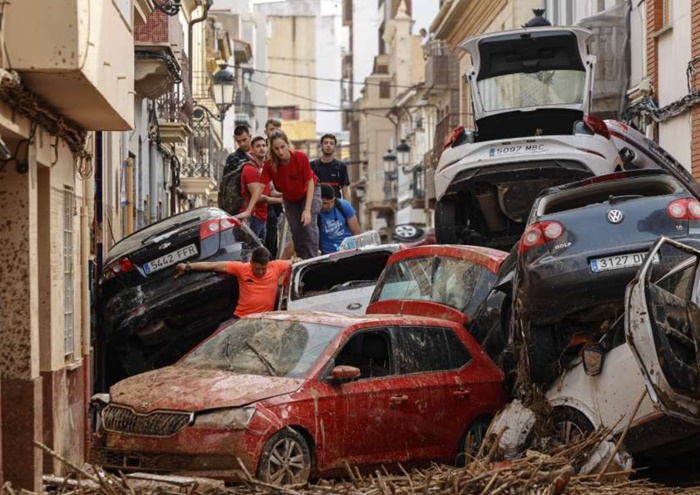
{"x":170,"y":259}
{"x":517,"y":149}
{"x":619,"y":261}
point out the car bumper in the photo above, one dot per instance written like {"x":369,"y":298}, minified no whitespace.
{"x":554,"y":288}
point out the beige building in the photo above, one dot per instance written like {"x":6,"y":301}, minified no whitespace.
{"x":61,"y":78}
{"x":378,"y":124}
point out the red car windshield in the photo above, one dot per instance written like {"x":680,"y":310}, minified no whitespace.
{"x":264,"y":347}
{"x":457,"y":283}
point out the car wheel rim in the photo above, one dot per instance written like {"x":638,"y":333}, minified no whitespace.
{"x":287,"y":463}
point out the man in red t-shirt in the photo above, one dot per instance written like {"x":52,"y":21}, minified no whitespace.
{"x":250,"y":176}
{"x":258,"y":279}
{"x":291,"y":174}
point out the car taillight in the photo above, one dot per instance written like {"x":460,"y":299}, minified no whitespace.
{"x":122,"y":265}
{"x":597,"y":126}
{"x":684,"y":209}
{"x":604,"y":178}
{"x":540,"y":233}
{"x":217,"y":226}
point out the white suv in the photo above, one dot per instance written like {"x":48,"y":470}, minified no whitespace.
{"x":531,"y":92}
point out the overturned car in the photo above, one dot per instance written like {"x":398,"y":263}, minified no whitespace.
{"x":531,"y":92}
{"x":146,"y":317}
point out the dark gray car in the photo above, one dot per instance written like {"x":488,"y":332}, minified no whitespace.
{"x":582,"y":245}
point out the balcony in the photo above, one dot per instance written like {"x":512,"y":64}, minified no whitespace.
{"x":440,"y":66}
{"x":157,"y":69}
{"x":78,"y":57}
{"x":173,"y":118}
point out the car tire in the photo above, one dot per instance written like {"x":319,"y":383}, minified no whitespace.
{"x":543,"y":353}
{"x":447,"y":224}
{"x":285,"y":459}
{"x":476,"y":433}
{"x":568,"y":425}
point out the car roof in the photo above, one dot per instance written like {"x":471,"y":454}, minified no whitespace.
{"x":600,"y":179}
{"x":487,"y":257}
{"x":347,"y":319}
{"x":348,"y":253}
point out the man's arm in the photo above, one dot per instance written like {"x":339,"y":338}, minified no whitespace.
{"x":256,"y":189}
{"x":345,"y":182}
{"x":200,"y":266}
{"x":354,"y":225}
{"x":306,"y":215}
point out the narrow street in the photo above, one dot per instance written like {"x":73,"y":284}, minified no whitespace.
{"x":349,"y":246}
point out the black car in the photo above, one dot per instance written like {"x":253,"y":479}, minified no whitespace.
{"x":583,"y":244}
{"x":147,"y":318}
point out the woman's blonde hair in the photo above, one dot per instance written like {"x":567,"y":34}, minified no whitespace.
{"x":274,"y":159}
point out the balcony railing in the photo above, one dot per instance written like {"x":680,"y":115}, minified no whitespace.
{"x":172,"y":107}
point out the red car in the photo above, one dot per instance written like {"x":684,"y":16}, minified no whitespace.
{"x":442,"y":281}
{"x":295,"y":395}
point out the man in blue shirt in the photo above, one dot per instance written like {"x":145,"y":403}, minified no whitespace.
{"x":336,"y":220}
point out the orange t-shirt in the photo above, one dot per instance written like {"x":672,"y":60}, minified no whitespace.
{"x":256,"y":295}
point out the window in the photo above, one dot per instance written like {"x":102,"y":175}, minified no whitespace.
{"x":370,"y":351}
{"x":457,"y":283}
{"x":384,"y":89}
{"x":426,"y":349}
{"x":68,"y":343}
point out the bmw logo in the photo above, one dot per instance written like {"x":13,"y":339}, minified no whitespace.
{"x":615,"y":216}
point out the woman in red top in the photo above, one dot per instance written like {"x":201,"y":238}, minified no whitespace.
{"x":290,"y":172}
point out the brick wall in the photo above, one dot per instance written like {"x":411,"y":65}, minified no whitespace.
{"x":695,"y":85}
{"x":155,"y":30}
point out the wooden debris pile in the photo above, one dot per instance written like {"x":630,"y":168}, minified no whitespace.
{"x":536,"y":473}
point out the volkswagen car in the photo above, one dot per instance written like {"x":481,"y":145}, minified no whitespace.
{"x":147,"y":318}
{"x":582,"y":245}
{"x":531,"y":92}
{"x":290,"y":396}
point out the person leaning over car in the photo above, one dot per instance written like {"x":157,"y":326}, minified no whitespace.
{"x":257,"y":280}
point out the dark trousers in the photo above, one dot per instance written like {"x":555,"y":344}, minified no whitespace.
{"x":305,"y":238}
{"x":273,"y":213}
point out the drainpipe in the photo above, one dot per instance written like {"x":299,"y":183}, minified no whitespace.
{"x":85,"y":275}
{"x":190,"y":25}
{"x":152,"y":181}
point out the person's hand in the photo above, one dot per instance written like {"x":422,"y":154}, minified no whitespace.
{"x":180,"y":269}
{"x":306,"y":218}
{"x":243,"y":215}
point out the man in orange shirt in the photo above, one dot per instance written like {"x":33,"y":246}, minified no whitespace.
{"x":257,"y":280}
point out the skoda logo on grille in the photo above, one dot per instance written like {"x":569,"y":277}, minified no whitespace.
{"x":615,"y":216}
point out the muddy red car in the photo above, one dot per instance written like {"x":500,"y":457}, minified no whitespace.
{"x":296,"y":395}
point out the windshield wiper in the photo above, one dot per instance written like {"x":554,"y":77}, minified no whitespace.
{"x":270,"y":368}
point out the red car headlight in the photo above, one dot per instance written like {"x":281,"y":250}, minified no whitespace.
{"x":226,"y":419}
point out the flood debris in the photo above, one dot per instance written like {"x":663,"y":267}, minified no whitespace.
{"x":556,"y":471}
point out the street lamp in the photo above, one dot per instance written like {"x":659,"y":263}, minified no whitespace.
{"x":389,"y":162}
{"x":224,"y":86}
{"x":403,"y":151}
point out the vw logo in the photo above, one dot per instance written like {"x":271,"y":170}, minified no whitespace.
{"x":615,"y":216}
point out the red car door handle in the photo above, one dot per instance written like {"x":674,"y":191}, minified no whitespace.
{"x":398,"y":399}
{"x":461,"y":394}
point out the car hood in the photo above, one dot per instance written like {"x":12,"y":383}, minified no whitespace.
{"x":527,"y":51}
{"x":188,"y":389}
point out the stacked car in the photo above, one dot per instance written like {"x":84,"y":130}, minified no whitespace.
{"x":559,"y":233}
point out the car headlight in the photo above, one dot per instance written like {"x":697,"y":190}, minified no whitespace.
{"x":230,"y":419}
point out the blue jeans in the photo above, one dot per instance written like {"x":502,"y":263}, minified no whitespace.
{"x":259,"y":227}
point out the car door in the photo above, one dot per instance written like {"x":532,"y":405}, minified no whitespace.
{"x":372,"y":408}
{"x":430,"y":359}
{"x":663,"y":328}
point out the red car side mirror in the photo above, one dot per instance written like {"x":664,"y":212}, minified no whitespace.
{"x":345,"y":374}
